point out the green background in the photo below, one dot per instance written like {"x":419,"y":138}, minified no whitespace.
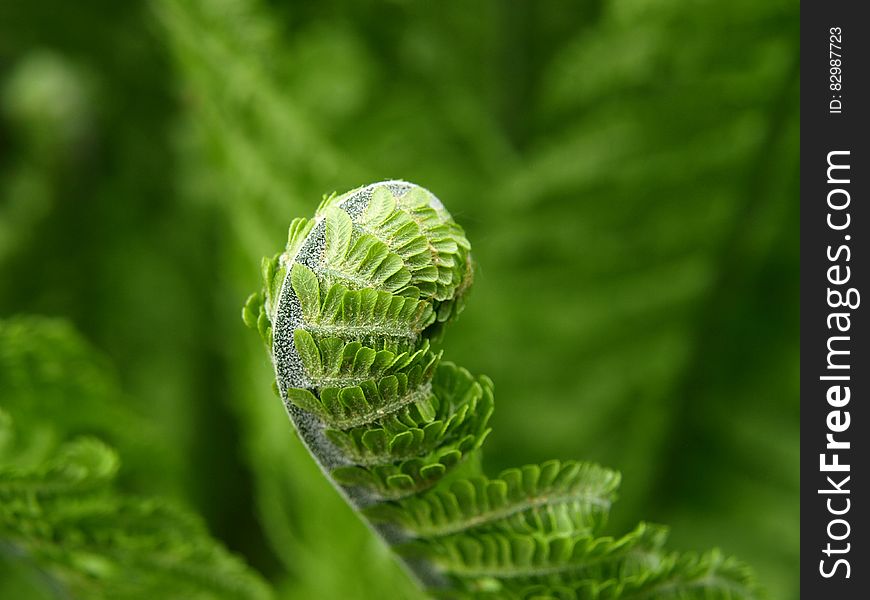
{"x":627,"y":172}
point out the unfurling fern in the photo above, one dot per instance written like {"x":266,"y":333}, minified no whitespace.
{"x":348,"y":312}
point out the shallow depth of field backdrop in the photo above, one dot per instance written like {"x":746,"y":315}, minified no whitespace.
{"x":625,"y":170}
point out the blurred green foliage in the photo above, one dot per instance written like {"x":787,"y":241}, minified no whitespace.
{"x":65,"y":531}
{"x":626,"y":172}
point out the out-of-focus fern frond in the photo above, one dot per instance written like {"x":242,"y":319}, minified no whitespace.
{"x":63,"y":522}
{"x":58,"y":387}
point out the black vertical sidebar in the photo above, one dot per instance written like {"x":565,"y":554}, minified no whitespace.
{"x":835,"y":225}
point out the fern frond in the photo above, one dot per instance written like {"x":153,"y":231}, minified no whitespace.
{"x":360,"y":315}
{"x":60,"y":511}
{"x":553,"y":498}
{"x":348,"y":313}
{"x":65,"y":517}
{"x":79,"y":467}
{"x":678,"y":577}
{"x":445,"y":418}
{"x":332,"y":362}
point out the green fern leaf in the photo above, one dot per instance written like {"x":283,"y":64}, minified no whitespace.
{"x":401,"y":431}
{"x":554,"y":497}
{"x":61,"y":514}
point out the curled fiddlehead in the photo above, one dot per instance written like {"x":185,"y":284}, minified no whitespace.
{"x":349,"y":313}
